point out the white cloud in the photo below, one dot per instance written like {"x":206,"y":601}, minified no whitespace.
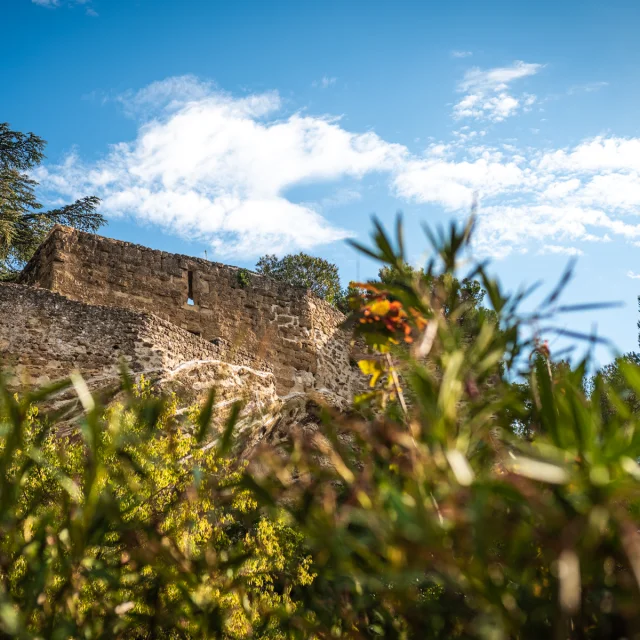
{"x":325,"y":82}
{"x":613,"y":191}
{"x":557,"y":249}
{"x":589,"y":87}
{"x":505,"y":227}
{"x":457,"y":53}
{"x":52,"y":4}
{"x":497,"y":79}
{"x":340,"y":198}
{"x":452,"y":183}
{"x":217,"y":168}
{"x":588,"y":193}
{"x":487,"y":93}
{"x":221,"y":168}
{"x":560,"y":189}
{"x":634,"y":276}
{"x":607,"y":170}
{"x":600,"y":153}
{"x":169,"y":95}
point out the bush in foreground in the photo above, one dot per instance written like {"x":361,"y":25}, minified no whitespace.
{"x":451,"y":503}
{"x":134,"y":529}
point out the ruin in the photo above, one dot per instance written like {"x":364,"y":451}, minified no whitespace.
{"x":85,"y":302}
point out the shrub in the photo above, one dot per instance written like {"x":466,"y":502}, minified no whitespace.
{"x":244,"y":279}
{"x":438,"y":518}
{"x":455,"y":501}
{"x":133,"y":529}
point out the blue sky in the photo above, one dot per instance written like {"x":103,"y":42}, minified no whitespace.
{"x":241,"y":128}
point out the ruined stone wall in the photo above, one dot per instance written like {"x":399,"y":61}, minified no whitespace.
{"x":40,"y":269}
{"x":335,"y":368}
{"x":45,"y":336}
{"x":292,"y":330}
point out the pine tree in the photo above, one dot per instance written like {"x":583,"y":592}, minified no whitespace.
{"x":23,"y":223}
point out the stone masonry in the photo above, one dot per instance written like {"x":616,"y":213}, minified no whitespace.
{"x":162,"y":311}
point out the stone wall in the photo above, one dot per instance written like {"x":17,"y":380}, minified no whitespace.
{"x":39,"y":271}
{"x":291,"y":329}
{"x":45,"y":336}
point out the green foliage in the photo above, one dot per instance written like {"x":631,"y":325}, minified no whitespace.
{"x":427,"y":512}
{"x":23,"y":224}
{"x":613,"y":376}
{"x":310,"y":272}
{"x":132,"y":529}
{"x":465,"y":297}
{"x":244,"y":280}
{"x":436,"y":518}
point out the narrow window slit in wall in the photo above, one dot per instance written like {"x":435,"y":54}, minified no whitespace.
{"x":190,"y":288}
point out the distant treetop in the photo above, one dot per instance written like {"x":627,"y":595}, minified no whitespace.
{"x":302,"y":270}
